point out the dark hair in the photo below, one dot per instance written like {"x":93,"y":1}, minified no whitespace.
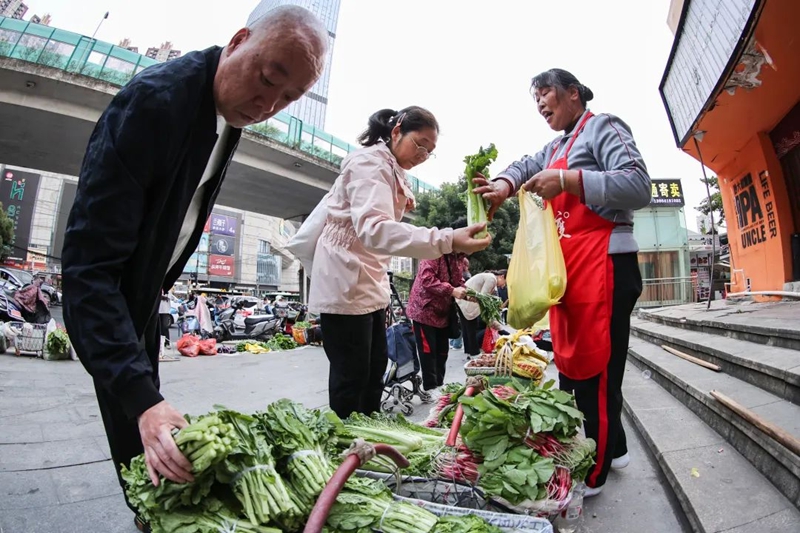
{"x":381,"y":124}
{"x":561,"y":79}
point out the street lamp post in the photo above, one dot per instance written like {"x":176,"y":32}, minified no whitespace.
{"x":100,"y":24}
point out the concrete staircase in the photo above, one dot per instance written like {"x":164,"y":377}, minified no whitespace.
{"x":728,"y":475}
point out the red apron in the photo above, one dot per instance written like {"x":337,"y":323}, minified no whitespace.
{"x":580,"y":324}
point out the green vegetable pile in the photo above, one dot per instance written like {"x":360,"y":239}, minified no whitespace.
{"x":303,"y":325}
{"x":491,"y":306}
{"x":419,"y":444}
{"x":281,"y":342}
{"x":262,"y":473}
{"x":57,"y":342}
{"x":476,"y":206}
{"x":523,"y":435}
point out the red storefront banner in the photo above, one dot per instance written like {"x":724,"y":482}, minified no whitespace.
{"x":220,"y":265}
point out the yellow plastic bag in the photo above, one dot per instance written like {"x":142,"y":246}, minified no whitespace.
{"x":537,"y":277}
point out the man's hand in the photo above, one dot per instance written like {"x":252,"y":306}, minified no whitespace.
{"x":161,"y":454}
{"x":464,"y":240}
{"x":495,"y":192}
{"x":459,"y":293}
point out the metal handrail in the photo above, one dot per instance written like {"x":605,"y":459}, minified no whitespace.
{"x":86,"y":56}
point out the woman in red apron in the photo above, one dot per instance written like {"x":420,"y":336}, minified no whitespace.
{"x":594,"y":177}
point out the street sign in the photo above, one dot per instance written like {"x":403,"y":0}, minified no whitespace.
{"x":666,"y":193}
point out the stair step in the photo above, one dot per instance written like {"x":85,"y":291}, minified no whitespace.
{"x":771,"y":323}
{"x":729,"y":494}
{"x":691,"y":384}
{"x":771,"y":368}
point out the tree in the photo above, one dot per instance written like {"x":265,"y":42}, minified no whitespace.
{"x":6,"y":233}
{"x":443,"y":207}
{"x":716,"y":204}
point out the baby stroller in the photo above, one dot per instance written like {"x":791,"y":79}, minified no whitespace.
{"x":403,"y":361}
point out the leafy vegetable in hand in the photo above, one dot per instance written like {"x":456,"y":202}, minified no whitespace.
{"x":491,"y":306}
{"x":206,"y":441}
{"x":476,"y":206}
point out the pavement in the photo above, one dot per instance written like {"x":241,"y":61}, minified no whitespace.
{"x":55,"y":469}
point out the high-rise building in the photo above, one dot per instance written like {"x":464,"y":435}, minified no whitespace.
{"x":126,"y":44}
{"x":312,"y":107}
{"x":14,"y":9}
{"x":163,"y":53}
{"x":44,"y":21}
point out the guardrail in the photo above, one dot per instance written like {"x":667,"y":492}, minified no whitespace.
{"x":79,"y":54}
{"x":661,"y":292}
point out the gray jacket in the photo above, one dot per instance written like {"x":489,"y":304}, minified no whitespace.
{"x":615,"y":179}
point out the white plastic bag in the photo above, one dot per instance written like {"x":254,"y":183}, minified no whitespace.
{"x":304,"y":243}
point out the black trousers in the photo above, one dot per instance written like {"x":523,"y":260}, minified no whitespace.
{"x":469,"y":334}
{"x":124,"y":440}
{"x":357,"y":351}
{"x":432,"y":347}
{"x":600,"y":397}
{"x":165,"y":321}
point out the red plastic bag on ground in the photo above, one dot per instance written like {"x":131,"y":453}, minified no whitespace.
{"x":490,"y":337}
{"x":208,"y":347}
{"x":189,"y":345}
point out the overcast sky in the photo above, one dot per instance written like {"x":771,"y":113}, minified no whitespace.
{"x":471,"y":66}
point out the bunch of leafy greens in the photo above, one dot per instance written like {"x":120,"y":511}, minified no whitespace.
{"x":210,"y":517}
{"x":419,"y":444}
{"x":206,"y":441}
{"x":497,"y":428}
{"x":490,"y":305}
{"x":464,"y":524}
{"x":298,"y":436}
{"x":250,"y":471}
{"x":476,"y":206}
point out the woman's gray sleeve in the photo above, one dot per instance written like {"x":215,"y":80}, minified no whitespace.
{"x":624,"y":182}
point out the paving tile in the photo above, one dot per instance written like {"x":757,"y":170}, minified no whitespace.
{"x":21,"y":490}
{"x":49,"y":454}
{"x":85,"y":482}
{"x":741,"y":495}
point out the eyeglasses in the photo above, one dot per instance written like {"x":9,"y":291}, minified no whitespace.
{"x":422,"y":151}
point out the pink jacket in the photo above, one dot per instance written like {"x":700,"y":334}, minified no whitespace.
{"x":362,"y":233}
{"x":432,"y":293}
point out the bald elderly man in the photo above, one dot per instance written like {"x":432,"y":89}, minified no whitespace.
{"x":151,"y":173}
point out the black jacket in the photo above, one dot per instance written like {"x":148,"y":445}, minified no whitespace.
{"x":143,"y":164}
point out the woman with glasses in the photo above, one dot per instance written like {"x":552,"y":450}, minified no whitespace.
{"x":594,"y":177}
{"x":363,"y":230}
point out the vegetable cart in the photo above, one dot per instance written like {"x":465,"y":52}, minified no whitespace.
{"x":29,"y":338}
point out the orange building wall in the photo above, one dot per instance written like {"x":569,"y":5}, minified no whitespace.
{"x":758,"y":217}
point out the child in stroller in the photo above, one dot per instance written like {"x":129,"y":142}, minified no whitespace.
{"x":403,"y":364}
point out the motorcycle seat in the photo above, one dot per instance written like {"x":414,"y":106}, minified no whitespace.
{"x":253,"y":320}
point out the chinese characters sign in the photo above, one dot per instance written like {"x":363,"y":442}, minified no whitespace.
{"x":223,"y":225}
{"x":666,"y":193}
{"x":220,"y":265}
{"x":18,"y":195}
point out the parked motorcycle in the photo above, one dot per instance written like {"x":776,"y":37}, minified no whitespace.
{"x":258,"y":327}
{"x":290,"y":313}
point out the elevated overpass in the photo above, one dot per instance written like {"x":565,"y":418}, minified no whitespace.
{"x":55,"y":84}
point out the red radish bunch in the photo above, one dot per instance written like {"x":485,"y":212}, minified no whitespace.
{"x":459,"y":464}
{"x":504,"y":392}
{"x":545,"y":444}
{"x":560,"y":484}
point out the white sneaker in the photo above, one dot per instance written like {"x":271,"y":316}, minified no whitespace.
{"x":592,"y":491}
{"x":621,"y":462}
